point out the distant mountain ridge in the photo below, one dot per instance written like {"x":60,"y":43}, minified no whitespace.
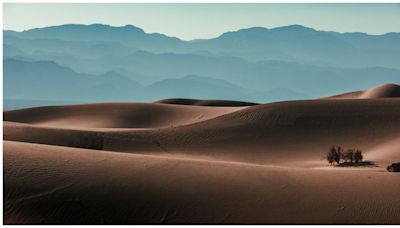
{"x":293,"y":42}
{"x":106,"y":63}
{"x":128,"y":34}
{"x":45,"y":80}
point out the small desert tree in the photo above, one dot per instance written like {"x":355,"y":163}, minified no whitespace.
{"x":351,"y":155}
{"x":395,"y":167}
{"x":330,"y":156}
{"x":339,"y":154}
{"x":348,"y":156}
{"x":358,"y":157}
{"x":333,"y":155}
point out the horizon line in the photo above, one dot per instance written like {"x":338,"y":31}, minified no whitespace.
{"x":189,"y":40}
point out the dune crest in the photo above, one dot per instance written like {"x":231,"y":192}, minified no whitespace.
{"x":198,"y":102}
{"x":115,"y":115}
{"x":382,"y":91}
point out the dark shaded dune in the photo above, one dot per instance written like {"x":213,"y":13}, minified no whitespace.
{"x":114,"y":115}
{"x":89,"y":139}
{"x":198,"y":102}
{"x":382,"y":91}
{"x":290,"y":131}
{"x":49,"y":184}
{"x":386,"y":90}
{"x":278,"y":132}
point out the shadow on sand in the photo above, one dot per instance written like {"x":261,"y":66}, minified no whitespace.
{"x":358,"y":164}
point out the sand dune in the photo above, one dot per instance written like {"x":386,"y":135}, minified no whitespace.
{"x":171,"y":163}
{"x":198,"y":102}
{"x":69,"y":185}
{"x":386,"y":153}
{"x":278,"y":132}
{"x":116,"y":115}
{"x":382,"y":91}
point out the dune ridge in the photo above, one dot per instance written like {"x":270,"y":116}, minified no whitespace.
{"x":115,"y":115}
{"x":382,"y":91}
{"x":164,"y":163}
{"x":261,"y":128}
{"x":202,"y":102}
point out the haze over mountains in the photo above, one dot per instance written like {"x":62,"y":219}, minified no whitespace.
{"x":93,"y":63}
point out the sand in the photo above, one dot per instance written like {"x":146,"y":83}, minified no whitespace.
{"x":50,"y":184}
{"x":382,"y":91}
{"x":199,"y":102}
{"x":116,"y":115}
{"x":129,"y":163}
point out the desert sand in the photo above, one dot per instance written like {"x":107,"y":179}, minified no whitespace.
{"x":180,"y":161}
{"x":198,"y":102}
{"x":382,"y":91}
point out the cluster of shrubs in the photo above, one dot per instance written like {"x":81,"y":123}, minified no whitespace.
{"x":339,"y":155}
{"x":395,"y":167}
{"x":353,"y":157}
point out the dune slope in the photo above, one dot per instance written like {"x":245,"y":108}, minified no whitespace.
{"x":155,"y":163}
{"x":277,"y":132}
{"x":381,"y":91}
{"x":115,"y":115}
{"x":50,"y":184}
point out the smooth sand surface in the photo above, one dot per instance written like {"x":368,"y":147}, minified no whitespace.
{"x":115,"y":115}
{"x":126,"y":163}
{"x":51,"y":184}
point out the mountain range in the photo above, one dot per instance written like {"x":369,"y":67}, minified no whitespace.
{"x":105,"y":63}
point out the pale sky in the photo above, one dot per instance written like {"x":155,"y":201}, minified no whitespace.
{"x":192,"y":21}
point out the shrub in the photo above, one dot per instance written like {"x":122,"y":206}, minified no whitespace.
{"x":350,"y":156}
{"x":330,"y":156}
{"x":333,"y":155}
{"x":339,"y":154}
{"x":358,"y":157}
{"x":395,"y":167}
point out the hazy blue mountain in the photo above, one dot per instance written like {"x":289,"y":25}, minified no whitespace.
{"x":385,"y":42}
{"x":31,"y":82}
{"x":289,"y":43}
{"x":13,"y":104}
{"x":156,"y":67}
{"x":45,"y":80}
{"x":128,"y":35}
{"x":199,"y":87}
{"x":10,"y":51}
{"x":306,"y":45}
{"x":279,"y":94}
{"x":258,"y":76}
{"x":58,"y":47}
{"x":105,"y":63}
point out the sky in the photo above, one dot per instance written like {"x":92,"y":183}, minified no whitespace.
{"x":194,"y":21}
